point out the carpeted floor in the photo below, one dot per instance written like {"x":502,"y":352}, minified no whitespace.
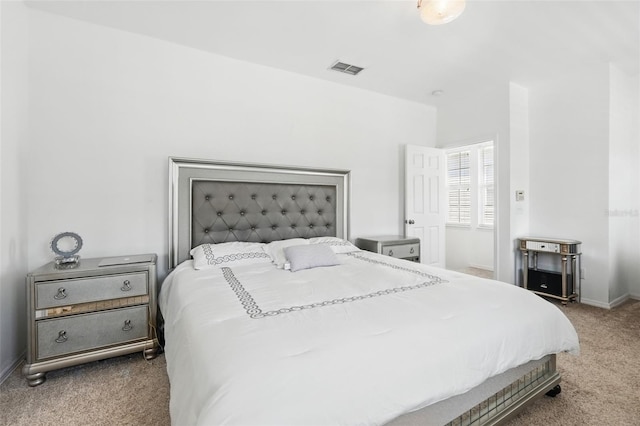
{"x":601,"y":387}
{"x":126,"y":390}
{"x":478,"y":272}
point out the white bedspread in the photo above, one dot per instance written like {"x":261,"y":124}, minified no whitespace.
{"x":335,"y":346}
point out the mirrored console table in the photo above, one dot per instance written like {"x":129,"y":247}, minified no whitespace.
{"x":562,"y":284}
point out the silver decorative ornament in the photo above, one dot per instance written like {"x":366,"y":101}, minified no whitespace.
{"x":66,"y":245}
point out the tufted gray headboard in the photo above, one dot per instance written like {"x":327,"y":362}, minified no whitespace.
{"x":214,"y":202}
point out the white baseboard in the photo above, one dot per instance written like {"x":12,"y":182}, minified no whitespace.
{"x":483,"y":267}
{"x":614,"y":303}
{"x":619,"y":301}
{"x":595,"y":303}
{"x":4,"y":375}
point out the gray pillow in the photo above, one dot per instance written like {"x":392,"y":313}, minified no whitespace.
{"x":310,"y":256}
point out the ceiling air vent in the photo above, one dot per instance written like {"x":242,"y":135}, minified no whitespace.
{"x":346,"y":68}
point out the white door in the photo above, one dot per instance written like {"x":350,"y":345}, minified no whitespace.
{"x":425,"y":203}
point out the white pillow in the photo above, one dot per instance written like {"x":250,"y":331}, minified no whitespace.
{"x":228,"y":254}
{"x":310,"y":256}
{"x":338,"y":245}
{"x":275,"y":249}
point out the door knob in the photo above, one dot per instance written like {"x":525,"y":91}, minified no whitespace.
{"x":410,"y":221}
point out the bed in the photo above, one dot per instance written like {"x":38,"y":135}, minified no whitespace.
{"x":271,"y":316}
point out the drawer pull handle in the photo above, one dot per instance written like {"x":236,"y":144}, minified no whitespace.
{"x":62,"y":337}
{"x":127,"y":326}
{"x":62,"y":293}
{"x":390,"y":252}
{"x":126,"y":285}
{"x":412,"y":250}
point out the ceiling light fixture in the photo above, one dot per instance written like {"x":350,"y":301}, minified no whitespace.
{"x":437,"y":12}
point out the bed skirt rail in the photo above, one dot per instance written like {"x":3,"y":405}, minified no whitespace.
{"x":506,"y":403}
{"x":497,"y":400}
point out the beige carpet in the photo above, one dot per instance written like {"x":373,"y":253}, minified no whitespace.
{"x":601,"y":387}
{"x":126,"y":390}
{"x":478,"y":272}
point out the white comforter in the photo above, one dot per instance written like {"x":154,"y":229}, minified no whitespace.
{"x":307,"y":349}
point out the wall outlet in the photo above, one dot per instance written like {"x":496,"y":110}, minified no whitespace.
{"x":582,"y":273}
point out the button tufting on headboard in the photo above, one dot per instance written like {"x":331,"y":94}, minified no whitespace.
{"x":238,"y":211}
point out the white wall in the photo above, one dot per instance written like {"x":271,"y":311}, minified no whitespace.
{"x":467,"y":247}
{"x":634,"y":288}
{"x":519,"y":172}
{"x":571,"y":144}
{"x":13,"y":139}
{"x":107,"y":108}
{"x":624,"y":187}
{"x":569,"y":169}
{"x":555,"y":141}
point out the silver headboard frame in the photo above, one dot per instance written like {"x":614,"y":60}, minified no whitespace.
{"x":216,"y":201}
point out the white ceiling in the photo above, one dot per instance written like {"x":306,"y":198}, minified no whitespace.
{"x":491,"y":43}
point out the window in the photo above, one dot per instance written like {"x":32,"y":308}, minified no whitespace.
{"x":470,"y":185}
{"x":459,"y":187}
{"x":486,"y":187}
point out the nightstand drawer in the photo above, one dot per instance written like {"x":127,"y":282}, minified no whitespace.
{"x":91,"y":331}
{"x":402,"y":251}
{"x":50,"y":294}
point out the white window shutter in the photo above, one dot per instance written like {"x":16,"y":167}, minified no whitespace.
{"x":459,"y":187}
{"x":486,"y":187}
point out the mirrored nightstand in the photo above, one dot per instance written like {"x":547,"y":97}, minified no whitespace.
{"x":395,"y":246}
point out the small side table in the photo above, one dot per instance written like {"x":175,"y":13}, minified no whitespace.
{"x":95,"y":311}
{"x":392,"y":245}
{"x":563,"y":284}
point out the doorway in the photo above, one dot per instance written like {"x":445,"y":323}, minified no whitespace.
{"x":450,"y":204}
{"x":470,"y":222}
